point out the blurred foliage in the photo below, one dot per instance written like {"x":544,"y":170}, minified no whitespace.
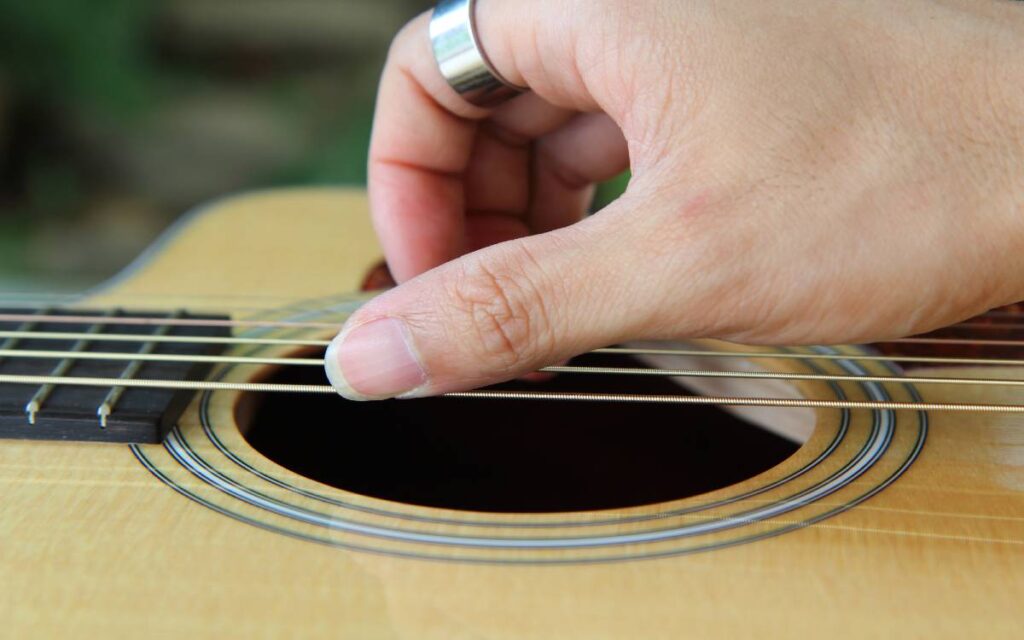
{"x":118,"y":115}
{"x":609,"y":191}
{"x":12,"y":246}
{"x":90,"y":53}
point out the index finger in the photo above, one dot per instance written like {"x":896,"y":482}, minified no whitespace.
{"x":422,"y":140}
{"x":424,"y":132}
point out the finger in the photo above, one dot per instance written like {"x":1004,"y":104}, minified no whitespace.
{"x":498,"y":183}
{"x":565,"y":165}
{"x":424,"y":133}
{"x":497,"y":175}
{"x":568,"y":163}
{"x":497,"y":179}
{"x":527,"y":117}
{"x":495,"y":314}
{"x":418,"y":152}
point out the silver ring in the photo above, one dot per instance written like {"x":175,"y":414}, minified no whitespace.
{"x":462,"y":60}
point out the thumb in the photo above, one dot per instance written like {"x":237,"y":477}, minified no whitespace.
{"x":492,"y":315}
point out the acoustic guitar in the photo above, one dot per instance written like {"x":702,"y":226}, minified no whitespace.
{"x":175,"y":465}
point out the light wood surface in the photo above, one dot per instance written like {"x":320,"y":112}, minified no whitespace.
{"x":95,"y":545}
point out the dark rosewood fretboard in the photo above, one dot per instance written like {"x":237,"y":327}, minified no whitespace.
{"x":110,"y":414}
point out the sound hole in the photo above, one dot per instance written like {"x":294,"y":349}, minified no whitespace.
{"x":512,"y":456}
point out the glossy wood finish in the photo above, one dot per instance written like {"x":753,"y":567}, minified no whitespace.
{"x":94,"y":544}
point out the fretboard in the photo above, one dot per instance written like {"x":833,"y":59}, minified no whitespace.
{"x":54,"y":411}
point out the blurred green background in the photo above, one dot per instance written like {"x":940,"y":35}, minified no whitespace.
{"x":116,"y":116}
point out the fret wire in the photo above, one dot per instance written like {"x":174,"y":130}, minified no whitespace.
{"x":25,"y":331}
{"x":529,"y":395}
{"x":10,"y":342}
{"x":39,"y":398}
{"x":109,"y":403}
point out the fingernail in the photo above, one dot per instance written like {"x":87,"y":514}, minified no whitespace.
{"x":374,"y":361}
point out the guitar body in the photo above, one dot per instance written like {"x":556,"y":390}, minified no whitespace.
{"x":882,"y":524}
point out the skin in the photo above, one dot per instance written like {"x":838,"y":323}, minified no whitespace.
{"x":803,"y":172}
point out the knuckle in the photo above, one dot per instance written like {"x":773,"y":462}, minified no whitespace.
{"x":503,"y":310}
{"x":564,"y":172}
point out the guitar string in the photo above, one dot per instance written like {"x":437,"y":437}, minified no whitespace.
{"x":321,"y":343}
{"x":226,"y":340}
{"x":263,"y":387}
{"x":44,"y":300}
{"x":566,"y":369}
{"x":518,"y":395}
{"x":296,"y":342}
{"x":47,"y":302}
{"x":970,"y":324}
{"x":955,"y":341}
{"x":141,"y":337}
{"x":49,"y":354}
{"x":635,"y":371}
{"x":174,"y":322}
{"x":284,"y":324}
{"x":982,"y":326}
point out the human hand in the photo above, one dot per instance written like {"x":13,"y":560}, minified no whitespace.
{"x":803,"y":172}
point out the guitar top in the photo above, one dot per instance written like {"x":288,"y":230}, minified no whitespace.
{"x":244,"y":510}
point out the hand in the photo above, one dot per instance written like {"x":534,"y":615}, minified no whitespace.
{"x":803,"y":172}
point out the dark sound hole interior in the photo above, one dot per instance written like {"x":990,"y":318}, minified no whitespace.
{"x":512,"y":456}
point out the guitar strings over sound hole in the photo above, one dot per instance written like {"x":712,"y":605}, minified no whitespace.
{"x":512,"y":456}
